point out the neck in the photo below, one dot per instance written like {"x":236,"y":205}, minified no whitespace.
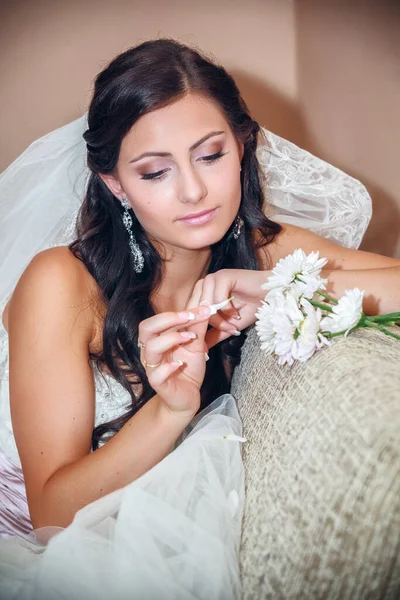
{"x":181,"y":271}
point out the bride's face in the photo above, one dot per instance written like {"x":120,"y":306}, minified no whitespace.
{"x":179,"y":160}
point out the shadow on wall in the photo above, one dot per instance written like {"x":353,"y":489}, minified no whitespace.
{"x":272,"y":110}
{"x":283,"y":117}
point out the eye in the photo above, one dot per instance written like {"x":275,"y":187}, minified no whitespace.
{"x":158,"y":175}
{"x":213,"y":157}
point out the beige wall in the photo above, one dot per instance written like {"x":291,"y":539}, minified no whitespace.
{"x":50,"y":51}
{"x":348,"y":58}
{"x":323,"y":73}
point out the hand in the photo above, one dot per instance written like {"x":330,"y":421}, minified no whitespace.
{"x":179,"y":376}
{"x":245,"y":286}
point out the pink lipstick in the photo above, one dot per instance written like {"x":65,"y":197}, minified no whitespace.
{"x":199,"y":218}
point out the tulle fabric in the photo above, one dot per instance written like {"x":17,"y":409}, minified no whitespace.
{"x":172,"y":534}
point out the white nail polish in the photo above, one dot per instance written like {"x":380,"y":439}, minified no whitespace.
{"x":207,"y":357}
{"x":215,"y":307}
{"x":192,"y":316}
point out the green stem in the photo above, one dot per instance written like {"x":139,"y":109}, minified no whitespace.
{"x":328,"y":297}
{"x":321,"y":305}
{"x":331,"y":335}
{"x":376,"y":326}
{"x":388,"y":317}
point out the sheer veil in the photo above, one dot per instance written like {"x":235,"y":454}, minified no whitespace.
{"x":40,"y":193}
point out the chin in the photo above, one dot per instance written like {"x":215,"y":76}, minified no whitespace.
{"x":205,"y":241}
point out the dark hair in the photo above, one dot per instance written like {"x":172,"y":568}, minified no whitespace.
{"x":144,"y":78}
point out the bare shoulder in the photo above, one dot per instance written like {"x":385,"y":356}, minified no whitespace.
{"x":52,"y":392}
{"x":56,"y":271}
{"x":292,"y":237}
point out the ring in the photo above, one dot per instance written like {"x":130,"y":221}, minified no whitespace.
{"x":146,"y":364}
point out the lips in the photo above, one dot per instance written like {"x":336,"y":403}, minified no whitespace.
{"x":196,"y":215}
{"x":200,"y":218}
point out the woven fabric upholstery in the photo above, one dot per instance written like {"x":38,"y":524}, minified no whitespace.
{"x":322,"y":463}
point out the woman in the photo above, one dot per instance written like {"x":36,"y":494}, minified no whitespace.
{"x":172,"y":222}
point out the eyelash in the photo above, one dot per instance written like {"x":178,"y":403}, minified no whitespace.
{"x":159,"y":175}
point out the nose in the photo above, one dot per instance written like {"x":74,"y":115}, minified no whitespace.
{"x":192,"y":188}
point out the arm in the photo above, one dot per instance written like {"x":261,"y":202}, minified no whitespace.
{"x":52,"y":397}
{"x":378,"y":275}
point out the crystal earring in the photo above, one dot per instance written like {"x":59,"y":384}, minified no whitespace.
{"x":237,"y":227}
{"x":138,"y":260}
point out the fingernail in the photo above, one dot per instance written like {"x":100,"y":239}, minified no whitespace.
{"x":233,"y":319}
{"x":186,"y":316}
{"x":204,"y":310}
{"x":234,"y":332}
{"x":207,"y":357}
{"x":177,"y":363}
{"x":187,"y":335}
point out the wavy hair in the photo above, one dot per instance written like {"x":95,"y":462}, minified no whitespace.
{"x":147,"y":77}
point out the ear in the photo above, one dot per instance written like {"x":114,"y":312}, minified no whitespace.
{"x":113,"y":185}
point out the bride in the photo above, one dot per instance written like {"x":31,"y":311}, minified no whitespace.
{"x":122,"y":472}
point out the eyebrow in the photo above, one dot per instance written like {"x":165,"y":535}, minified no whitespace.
{"x":192,"y":147}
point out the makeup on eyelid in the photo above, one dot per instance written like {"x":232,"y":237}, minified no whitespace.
{"x":208,"y":159}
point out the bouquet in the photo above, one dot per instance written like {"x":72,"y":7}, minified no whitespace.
{"x":297,"y":318}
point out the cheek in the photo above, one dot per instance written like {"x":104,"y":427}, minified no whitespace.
{"x":152,"y":207}
{"x":227,"y":186}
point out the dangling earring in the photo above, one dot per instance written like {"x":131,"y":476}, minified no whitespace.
{"x":237,"y":227}
{"x":138,"y":260}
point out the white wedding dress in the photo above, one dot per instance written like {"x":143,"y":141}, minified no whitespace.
{"x":174,"y":533}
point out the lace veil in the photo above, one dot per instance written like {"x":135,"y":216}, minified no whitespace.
{"x":40,"y":193}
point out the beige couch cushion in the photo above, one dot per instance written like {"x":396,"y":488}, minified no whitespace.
{"x":322,"y":462}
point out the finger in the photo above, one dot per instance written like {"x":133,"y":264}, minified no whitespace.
{"x":232,"y":312}
{"x":224,"y":288}
{"x":208,"y":291}
{"x":157,"y":324}
{"x":196,"y":295}
{"x":220,"y":321}
{"x":199,"y":327}
{"x":214,"y":292}
{"x":215,"y":336}
{"x":159,"y":375}
{"x":157,"y":346}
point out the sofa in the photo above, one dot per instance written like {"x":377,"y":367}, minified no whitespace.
{"x":322,"y":471}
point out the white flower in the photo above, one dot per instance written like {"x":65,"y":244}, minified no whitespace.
{"x":310,"y":338}
{"x":265,"y":323}
{"x":287,"y":319}
{"x":285,"y":330}
{"x":346,"y":314}
{"x":297,"y":274}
